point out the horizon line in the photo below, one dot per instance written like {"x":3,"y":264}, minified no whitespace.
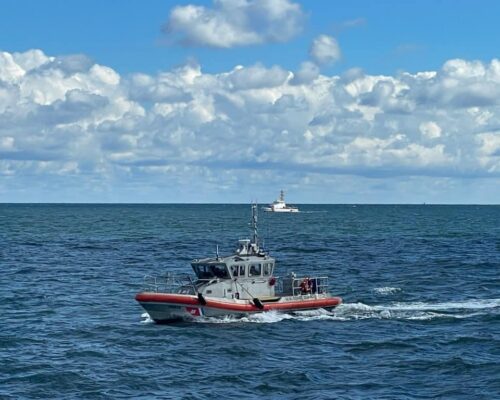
{"x":234,"y":203}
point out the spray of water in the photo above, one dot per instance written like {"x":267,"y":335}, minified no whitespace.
{"x":419,"y":311}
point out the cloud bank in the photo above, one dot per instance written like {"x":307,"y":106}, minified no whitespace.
{"x":69,"y":121}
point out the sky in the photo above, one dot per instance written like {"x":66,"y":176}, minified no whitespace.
{"x":231,"y":101}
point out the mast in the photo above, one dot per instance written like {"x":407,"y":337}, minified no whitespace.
{"x":282,"y":196}
{"x":255,"y":238}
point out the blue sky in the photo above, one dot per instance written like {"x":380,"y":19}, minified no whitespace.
{"x":215,"y":101}
{"x":388,"y":36}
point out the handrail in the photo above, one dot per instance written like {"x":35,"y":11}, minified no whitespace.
{"x":184,"y":284}
{"x":172,"y":283}
{"x":292,"y":285}
{"x":317,"y":285}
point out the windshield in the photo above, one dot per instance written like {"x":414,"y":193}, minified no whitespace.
{"x":207,"y":271}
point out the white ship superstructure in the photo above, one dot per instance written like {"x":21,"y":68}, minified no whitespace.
{"x":279,"y":205}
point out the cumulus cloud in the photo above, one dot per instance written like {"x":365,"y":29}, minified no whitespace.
{"x":430,"y":130}
{"x":325,"y":50}
{"x":307,"y":72}
{"x":231,"y":23}
{"x":85,"y":122}
{"x":257,"y":77}
{"x":159,"y":88}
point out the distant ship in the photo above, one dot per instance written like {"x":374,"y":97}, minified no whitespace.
{"x":280,"y":205}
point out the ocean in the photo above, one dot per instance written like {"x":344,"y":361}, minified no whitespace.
{"x":420,"y":319}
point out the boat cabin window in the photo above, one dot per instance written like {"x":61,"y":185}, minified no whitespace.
{"x":235,"y":270}
{"x":255,"y":270}
{"x":268,"y":269}
{"x":208,"y":271}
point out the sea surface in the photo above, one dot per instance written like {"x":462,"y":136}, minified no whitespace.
{"x":420,"y":319}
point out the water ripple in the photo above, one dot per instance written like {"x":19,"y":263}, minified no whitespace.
{"x":420,"y":315}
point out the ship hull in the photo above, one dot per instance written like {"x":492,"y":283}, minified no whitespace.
{"x":281,"y":210}
{"x":167,"y":307}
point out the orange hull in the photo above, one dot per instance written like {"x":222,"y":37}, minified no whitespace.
{"x":150,"y":301}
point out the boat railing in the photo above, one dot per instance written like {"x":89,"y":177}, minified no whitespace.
{"x":187,"y":284}
{"x":295,"y":286}
{"x":173,"y":283}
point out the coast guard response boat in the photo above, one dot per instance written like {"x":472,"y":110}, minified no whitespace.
{"x":235,"y":285}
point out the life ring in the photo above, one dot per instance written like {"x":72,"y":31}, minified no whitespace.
{"x":272,"y":281}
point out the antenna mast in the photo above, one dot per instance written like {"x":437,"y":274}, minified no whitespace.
{"x":254,"y":223}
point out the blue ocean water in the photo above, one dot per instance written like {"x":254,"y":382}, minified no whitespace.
{"x":420,"y":319}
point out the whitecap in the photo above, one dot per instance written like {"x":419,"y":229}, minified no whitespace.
{"x":387,"y":290}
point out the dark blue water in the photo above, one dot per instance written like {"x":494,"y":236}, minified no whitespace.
{"x":421,"y":318}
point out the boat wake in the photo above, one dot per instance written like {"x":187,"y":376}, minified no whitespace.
{"x":358,"y":311}
{"x":418,"y":311}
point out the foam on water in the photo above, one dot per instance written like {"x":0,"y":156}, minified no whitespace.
{"x":387,"y":290}
{"x":471,"y":304}
{"x":260,"y":318}
{"x":146,"y":318}
{"x":416,"y":311}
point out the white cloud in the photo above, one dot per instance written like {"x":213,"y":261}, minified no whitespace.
{"x":489,"y":151}
{"x":430,"y":129}
{"x":10,"y":70}
{"x":461,"y":69}
{"x":231,"y":23}
{"x":6,"y":143}
{"x":31,"y":59}
{"x":307,"y":72}
{"x":258,"y":77}
{"x":325,"y":50}
{"x":84,"y":122}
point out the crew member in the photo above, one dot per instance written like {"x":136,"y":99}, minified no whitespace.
{"x":305,"y":286}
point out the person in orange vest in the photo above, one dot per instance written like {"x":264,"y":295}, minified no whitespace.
{"x":305,"y":286}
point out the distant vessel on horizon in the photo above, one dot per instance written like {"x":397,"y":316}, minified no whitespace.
{"x":279,"y":205}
